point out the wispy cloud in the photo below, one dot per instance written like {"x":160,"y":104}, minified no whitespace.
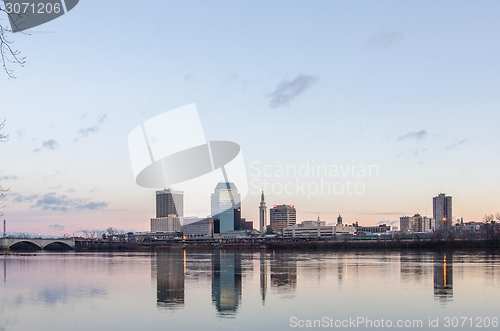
{"x":188,"y":78}
{"x":385,"y":38}
{"x":453,"y":146}
{"x":388,"y":222}
{"x":286,"y":91}
{"x":49,"y":144}
{"x":51,"y":201}
{"x":85,"y":132}
{"x":57,"y":227}
{"x":11,"y":177}
{"x":414,"y":135}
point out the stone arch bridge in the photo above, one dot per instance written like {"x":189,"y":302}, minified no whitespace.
{"x":7,"y":243}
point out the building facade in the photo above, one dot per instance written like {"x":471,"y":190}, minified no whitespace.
{"x":203,"y":228}
{"x":282,"y":216}
{"x":226,"y":207}
{"x":309,"y":229}
{"x":416,"y":223}
{"x":442,"y":212}
{"x":171,"y":224}
{"x":169,"y":202}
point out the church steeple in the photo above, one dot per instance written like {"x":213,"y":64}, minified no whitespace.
{"x":339,"y":220}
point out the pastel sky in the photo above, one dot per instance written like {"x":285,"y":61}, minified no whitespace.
{"x":408,"y":89}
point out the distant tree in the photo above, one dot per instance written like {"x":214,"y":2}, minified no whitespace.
{"x":497,"y":216}
{"x":8,"y":55}
{"x":488,"y":218}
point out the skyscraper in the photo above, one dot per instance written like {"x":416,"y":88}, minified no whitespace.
{"x":226,"y":207}
{"x":442,"y":212}
{"x":262,"y":215}
{"x":170,"y":202}
{"x":282,"y":216}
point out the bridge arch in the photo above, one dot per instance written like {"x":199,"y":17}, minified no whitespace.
{"x":20,"y":244}
{"x":57,"y":244}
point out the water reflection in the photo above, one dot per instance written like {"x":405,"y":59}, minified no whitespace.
{"x":170,"y":279}
{"x":226,"y":282}
{"x":263,"y":276}
{"x":443,"y":276}
{"x":283,"y":273}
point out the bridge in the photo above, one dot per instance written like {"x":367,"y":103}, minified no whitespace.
{"x":41,"y":243}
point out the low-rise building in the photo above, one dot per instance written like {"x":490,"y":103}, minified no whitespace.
{"x":201,"y":228}
{"x":171,"y":223}
{"x":309,"y":229}
{"x":382,"y":228}
{"x":417,"y":223}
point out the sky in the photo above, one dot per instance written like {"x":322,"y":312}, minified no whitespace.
{"x":366,"y":109}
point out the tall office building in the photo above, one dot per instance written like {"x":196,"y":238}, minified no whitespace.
{"x":226,"y":207}
{"x":442,"y":212}
{"x":262,"y":215}
{"x":282,"y":216}
{"x":170,"y":202}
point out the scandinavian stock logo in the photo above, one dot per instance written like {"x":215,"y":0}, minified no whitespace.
{"x":24,"y":15}
{"x":170,"y":149}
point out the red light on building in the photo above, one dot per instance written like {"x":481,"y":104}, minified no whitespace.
{"x":275,"y":206}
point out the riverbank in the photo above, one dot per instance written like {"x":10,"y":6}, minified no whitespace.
{"x":303,"y":245}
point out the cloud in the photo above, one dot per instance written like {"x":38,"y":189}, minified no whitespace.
{"x":385,"y":38}
{"x":385,"y":213}
{"x":49,"y":144}
{"x":70,"y":191}
{"x":92,"y":206}
{"x":102,"y":118}
{"x":51,"y":201}
{"x":58,"y":227}
{"x":20,"y":133}
{"x":452,"y":146}
{"x":414,"y":135}
{"x":188,"y":78}
{"x":11,"y":177}
{"x":286,"y":91}
{"x":85,"y":132}
{"x":20,"y":198}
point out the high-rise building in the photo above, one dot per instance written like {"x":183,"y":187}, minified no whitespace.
{"x":170,"y":202}
{"x":282,"y":216}
{"x":262,"y":215}
{"x":442,"y":212}
{"x":226,"y":207}
{"x":416,"y":223}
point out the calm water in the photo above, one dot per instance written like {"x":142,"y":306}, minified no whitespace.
{"x":228,"y":290}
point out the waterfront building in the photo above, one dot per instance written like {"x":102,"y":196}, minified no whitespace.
{"x":170,"y":202}
{"x":246,"y":225}
{"x":309,"y":229}
{"x":171,"y":224}
{"x":417,"y":223}
{"x":226,"y":207}
{"x":200,"y":228}
{"x":442,"y":212}
{"x":262,"y":215}
{"x":282,"y":216}
{"x":381,"y":228}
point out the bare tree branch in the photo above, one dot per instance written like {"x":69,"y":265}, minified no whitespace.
{"x":3,"y":137}
{"x":9,"y":55}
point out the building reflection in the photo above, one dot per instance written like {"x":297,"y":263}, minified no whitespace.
{"x":443,"y":276}
{"x":263,"y":276}
{"x":170,"y":279}
{"x":283,"y":272}
{"x":413,"y":267}
{"x":226,"y":282}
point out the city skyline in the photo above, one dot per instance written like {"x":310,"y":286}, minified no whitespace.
{"x":366,"y":111}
